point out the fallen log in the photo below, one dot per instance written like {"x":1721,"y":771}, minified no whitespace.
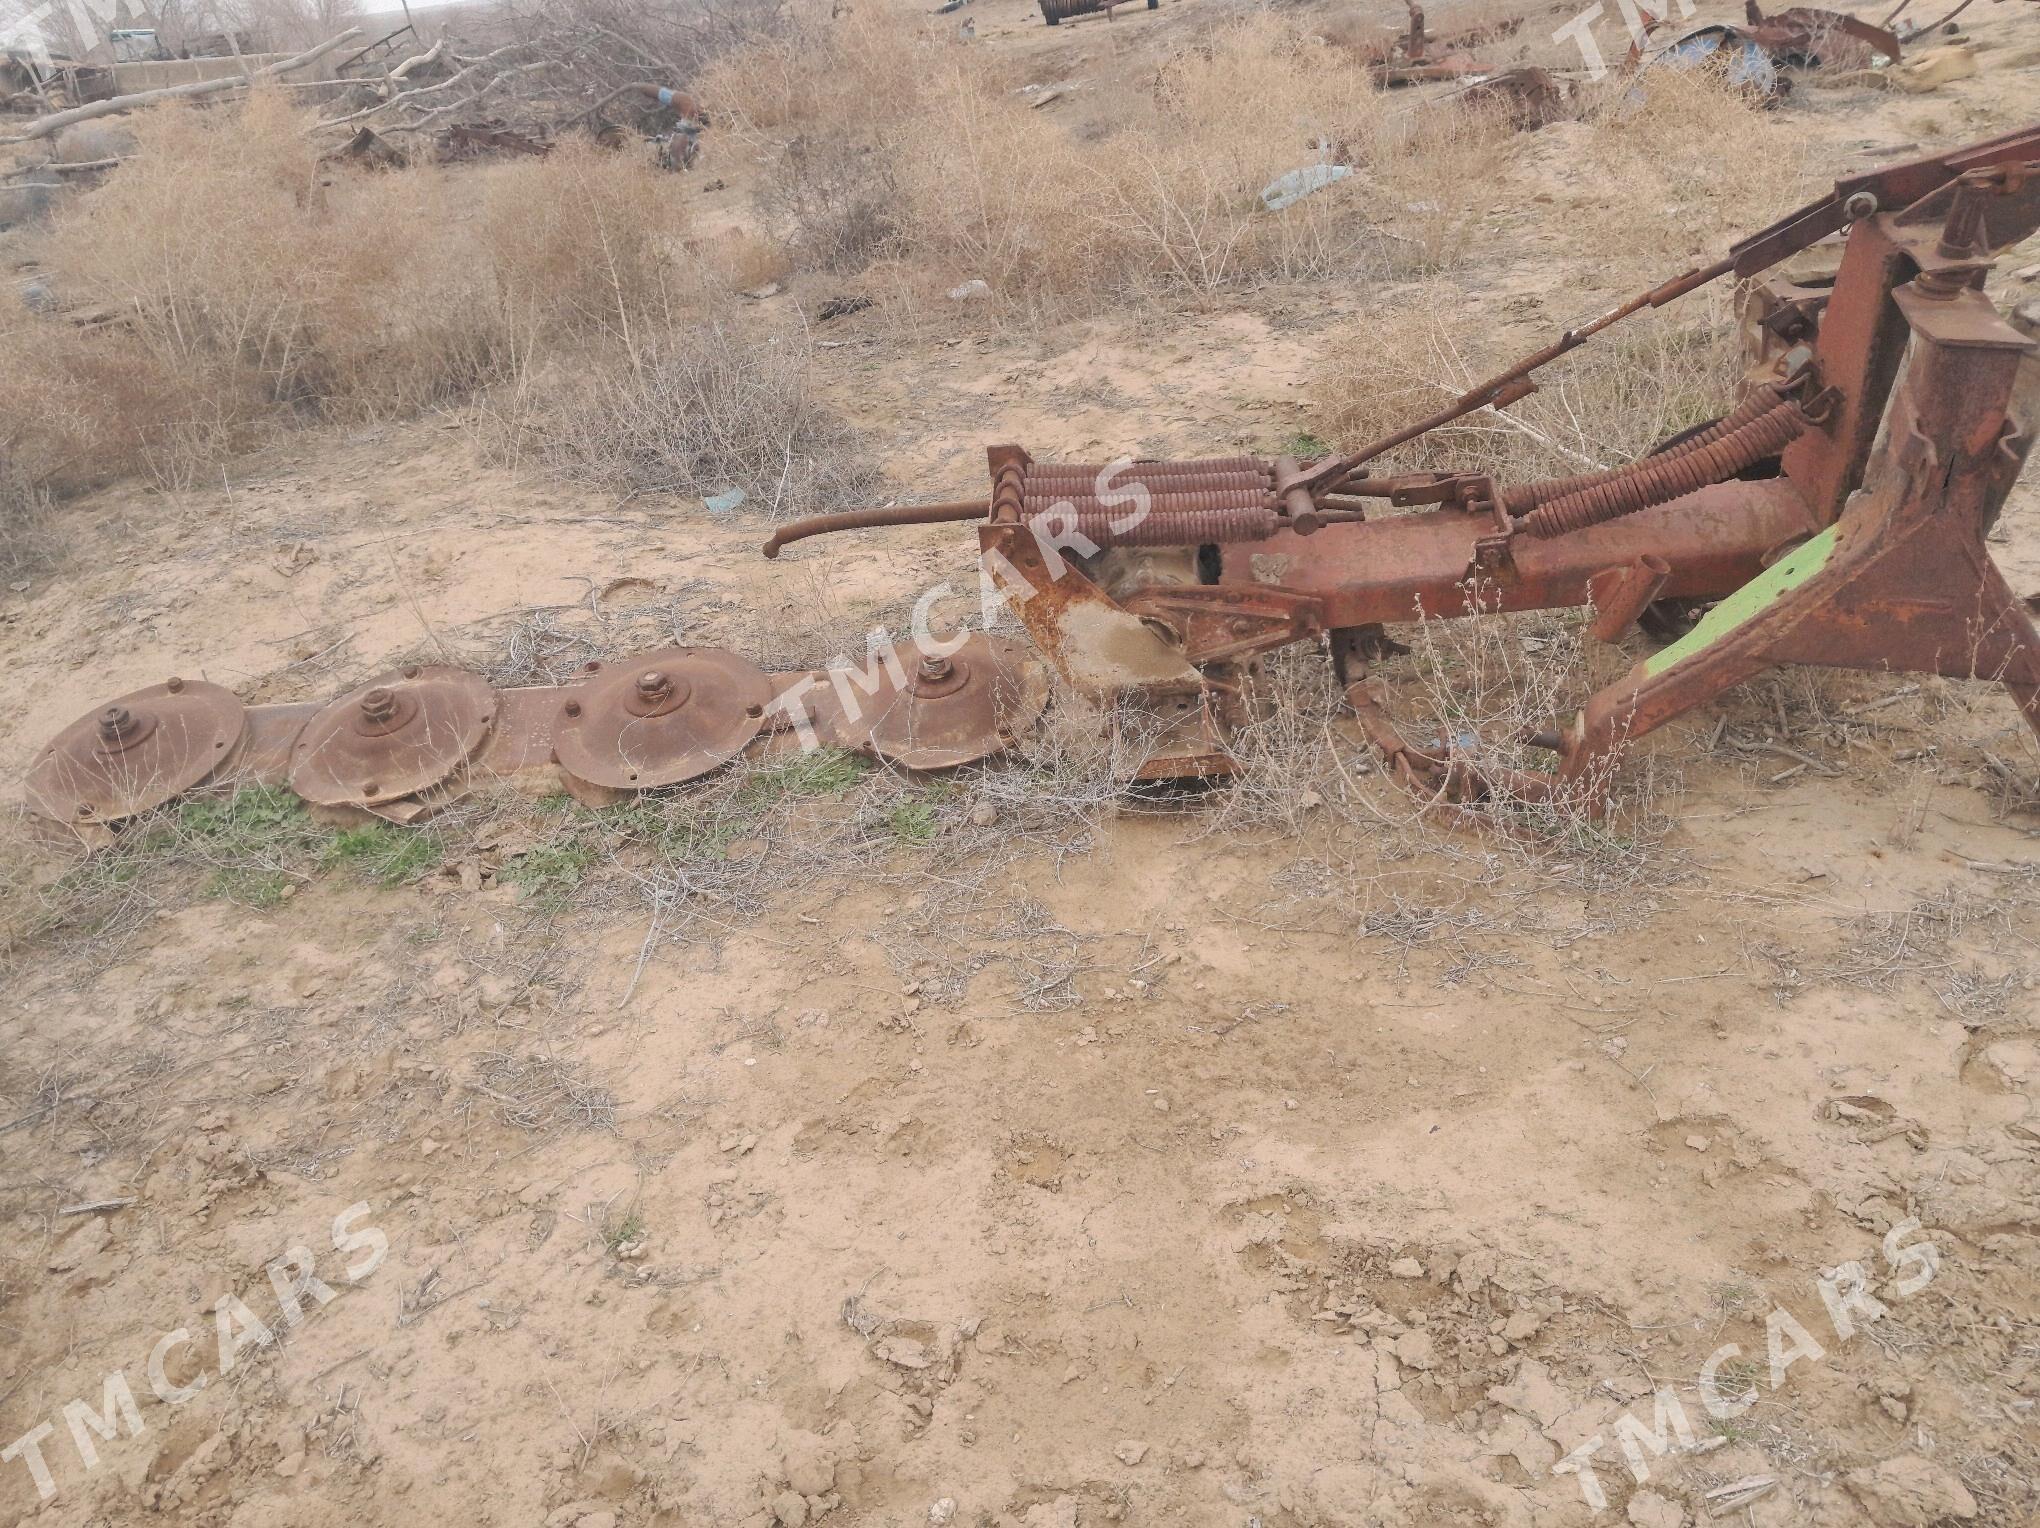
{"x":42,"y":127}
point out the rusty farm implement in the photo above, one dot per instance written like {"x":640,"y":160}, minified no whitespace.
{"x":1834,"y":515}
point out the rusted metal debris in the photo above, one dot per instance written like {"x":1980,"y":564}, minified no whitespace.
{"x":1807,"y":37}
{"x":1803,"y":37}
{"x":1416,"y":56}
{"x":412,"y":741}
{"x":944,"y":709}
{"x":369,"y":149}
{"x":398,"y":736}
{"x":137,"y":752}
{"x":478,"y":140}
{"x":1056,"y":12}
{"x":1526,"y":98}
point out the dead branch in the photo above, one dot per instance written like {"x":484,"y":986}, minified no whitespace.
{"x":63,"y":167}
{"x":419,"y":60}
{"x":417,"y":123}
{"x":42,"y":127}
{"x":465,"y":72}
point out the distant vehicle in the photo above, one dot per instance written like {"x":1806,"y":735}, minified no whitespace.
{"x":135,"y":45}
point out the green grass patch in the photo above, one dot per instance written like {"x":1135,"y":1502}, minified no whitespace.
{"x":821,"y":772}
{"x":248,"y":886}
{"x":913,"y":822}
{"x":671,"y":829}
{"x":551,"y":873}
{"x":260,"y":822}
{"x":384,"y":853}
{"x":631,"y":1228}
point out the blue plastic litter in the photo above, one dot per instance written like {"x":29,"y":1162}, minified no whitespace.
{"x":1297,"y":184}
{"x":1746,"y":66}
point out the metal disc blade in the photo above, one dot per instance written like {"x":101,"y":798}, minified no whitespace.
{"x":660,"y":718}
{"x":950,"y":711}
{"x":136,"y":753}
{"x":399,"y":734}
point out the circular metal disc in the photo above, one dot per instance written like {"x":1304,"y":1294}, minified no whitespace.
{"x":399,"y":734}
{"x":951,"y":711}
{"x":136,"y":752}
{"x":661,"y":717}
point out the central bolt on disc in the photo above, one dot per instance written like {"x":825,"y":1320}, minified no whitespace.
{"x":137,"y":752}
{"x":656,"y":692}
{"x":952,"y":709}
{"x":660,"y":718}
{"x":395,"y":736}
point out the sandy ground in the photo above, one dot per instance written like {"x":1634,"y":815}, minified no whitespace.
{"x":1191,"y":1177}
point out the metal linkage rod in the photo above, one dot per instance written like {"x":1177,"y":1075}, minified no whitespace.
{"x":867,"y":519}
{"x":1508,"y":386}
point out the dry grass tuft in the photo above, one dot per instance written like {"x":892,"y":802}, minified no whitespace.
{"x":1480,"y":684}
{"x":885,"y":142}
{"x":1640,"y":175}
{"x":1646,"y":379}
{"x":1473,"y":688}
{"x":695,"y":411}
{"x":27,"y":542}
{"x":243,"y":287}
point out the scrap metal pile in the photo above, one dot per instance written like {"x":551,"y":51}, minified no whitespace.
{"x":1417,"y":55}
{"x":1835,"y":515}
{"x":1056,"y":12}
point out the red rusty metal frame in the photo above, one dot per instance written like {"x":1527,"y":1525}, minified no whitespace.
{"x":1848,"y":556}
{"x":1894,"y":405}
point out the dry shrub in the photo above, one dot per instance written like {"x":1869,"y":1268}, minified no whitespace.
{"x":1474,"y":687}
{"x":247,"y":288}
{"x":584,"y":242}
{"x":884,"y":141}
{"x":1297,"y":765}
{"x":1478,"y":685}
{"x":592,"y":46}
{"x":1640,"y":382}
{"x":694,"y":412}
{"x":835,"y":198}
{"x":744,"y":261}
{"x":1430,"y":171}
{"x":26,"y":542}
{"x":1643,"y":170}
{"x":76,"y":406}
{"x":844,"y":74}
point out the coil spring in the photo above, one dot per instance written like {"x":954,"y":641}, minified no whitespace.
{"x":1189,"y":527}
{"x":1520,"y":501}
{"x":1172,"y":501}
{"x":1215,"y":499}
{"x":1041,"y":475}
{"x":1659,"y":479}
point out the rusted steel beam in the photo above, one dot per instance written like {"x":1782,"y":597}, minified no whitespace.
{"x":1389,"y":570}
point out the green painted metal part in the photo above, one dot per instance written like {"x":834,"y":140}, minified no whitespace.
{"x":1754,"y":597}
